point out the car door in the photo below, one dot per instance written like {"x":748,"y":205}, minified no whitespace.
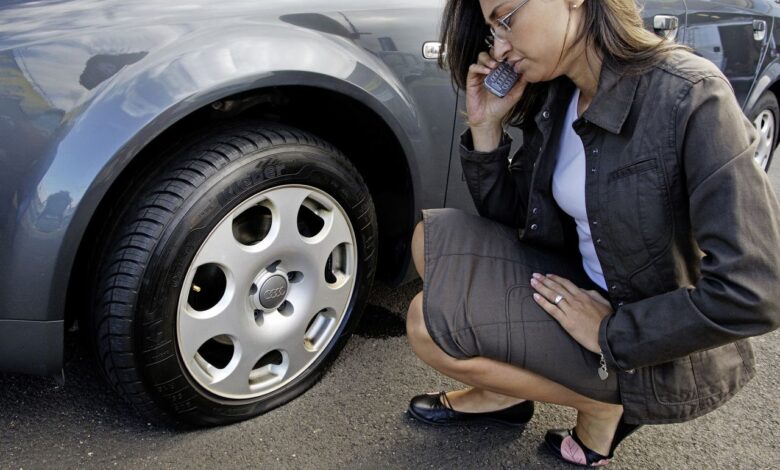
{"x":733,"y":34}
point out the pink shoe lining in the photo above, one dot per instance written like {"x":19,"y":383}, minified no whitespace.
{"x":572,"y":452}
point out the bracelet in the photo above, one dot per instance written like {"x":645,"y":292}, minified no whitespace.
{"x":603,"y":372}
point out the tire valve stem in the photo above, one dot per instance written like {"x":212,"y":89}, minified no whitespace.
{"x":196,"y":288}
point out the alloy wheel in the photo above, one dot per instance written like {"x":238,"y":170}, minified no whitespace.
{"x":266,"y":292}
{"x":765,"y":124}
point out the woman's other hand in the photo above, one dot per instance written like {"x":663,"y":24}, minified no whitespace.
{"x":579,"y":311}
{"x":485,"y":110}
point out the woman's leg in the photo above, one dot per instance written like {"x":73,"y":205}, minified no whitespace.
{"x":472,"y":399}
{"x":497,"y":381}
{"x":418,"y":249}
{"x":497,"y":384}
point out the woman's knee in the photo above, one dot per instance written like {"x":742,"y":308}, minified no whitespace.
{"x":420,"y":339}
{"x":417,"y":332}
{"x":418,"y":248}
{"x":415,"y":323}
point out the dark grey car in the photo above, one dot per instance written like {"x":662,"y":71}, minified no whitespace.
{"x":208,"y":189}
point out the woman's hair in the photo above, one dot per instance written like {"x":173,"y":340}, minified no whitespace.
{"x":614,"y":27}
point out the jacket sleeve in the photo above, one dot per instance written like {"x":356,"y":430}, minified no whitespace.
{"x":499,"y":189}
{"x":735,"y":221}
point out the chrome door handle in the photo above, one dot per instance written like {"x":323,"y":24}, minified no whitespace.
{"x":666,"y":26}
{"x":432,"y":50}
{"x":759,"y":30}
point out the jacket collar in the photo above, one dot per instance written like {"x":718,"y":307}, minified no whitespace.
{"x":612,"y":103}
{"x":614,"y":97}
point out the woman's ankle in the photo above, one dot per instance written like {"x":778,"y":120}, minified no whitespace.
{"x":596,"y":427}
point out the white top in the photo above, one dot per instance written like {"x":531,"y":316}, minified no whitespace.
{"x":568,"y":186}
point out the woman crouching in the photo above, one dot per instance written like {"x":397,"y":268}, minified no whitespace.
{"x":614,"y":266}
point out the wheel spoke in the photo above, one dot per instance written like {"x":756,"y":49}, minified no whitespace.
{"x":195,"y":328}
{"x":298,"y":356}
{"x":336,"y":232}
{"x":285,"y":204}
{"x":280,"y":332}
{"x":223,"y":249}
{"x":286,"y":334}
{"x":236,"y":380}
{"x":334,"y":298}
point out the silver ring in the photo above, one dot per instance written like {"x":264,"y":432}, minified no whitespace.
{"x":558,"y":299}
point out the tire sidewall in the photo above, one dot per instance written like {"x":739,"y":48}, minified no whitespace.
{"x":164,"y":373}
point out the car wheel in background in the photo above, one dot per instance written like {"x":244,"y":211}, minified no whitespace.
{"x":766,"y":117}
{"x":236,"y":276}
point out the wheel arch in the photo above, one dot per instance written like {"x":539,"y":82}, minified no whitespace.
{"x":387,"y":172}
{"x":768,"y":80}
{"x":151,"y":101}
{"x":775,"y":88}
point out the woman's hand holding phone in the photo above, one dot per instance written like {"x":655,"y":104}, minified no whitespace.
{"x":485,"y":110}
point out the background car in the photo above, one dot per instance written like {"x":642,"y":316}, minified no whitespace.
{"x":208,"y":190}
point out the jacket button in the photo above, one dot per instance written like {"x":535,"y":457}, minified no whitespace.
{"x":631,"y":371}
{"x":593,"y":170}
{"x":534,"y":226}
{"x":613,"y":287}
{"x":620,"y":304}
{"x":535,"y":210}
{"x":595,"y":151}
{"x":598,"y":241}
{"x":546,"y":114}
{"x":595,"y":222}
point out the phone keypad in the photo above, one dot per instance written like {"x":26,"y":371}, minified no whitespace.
{"x":501,"y":79}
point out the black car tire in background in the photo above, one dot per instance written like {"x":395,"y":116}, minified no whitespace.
{"x":235,"y":276}
{"x":765,"y":116}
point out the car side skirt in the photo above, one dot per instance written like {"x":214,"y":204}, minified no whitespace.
{"x":31,"y":347}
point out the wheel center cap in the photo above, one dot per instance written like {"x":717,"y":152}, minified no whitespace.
{"x":273,"y":291}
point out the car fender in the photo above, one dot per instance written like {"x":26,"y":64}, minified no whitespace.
{"x":106,"y":132}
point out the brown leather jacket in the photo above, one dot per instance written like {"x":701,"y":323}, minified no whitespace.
{"x":685,"y":225}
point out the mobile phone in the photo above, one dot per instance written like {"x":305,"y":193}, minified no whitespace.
{"x":501,"y":79}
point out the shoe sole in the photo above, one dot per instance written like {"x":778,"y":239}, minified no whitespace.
{"x":475,"y":421}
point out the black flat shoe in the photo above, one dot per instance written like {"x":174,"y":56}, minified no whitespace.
{"x":435,"y":408}
{"x":565,"y":445}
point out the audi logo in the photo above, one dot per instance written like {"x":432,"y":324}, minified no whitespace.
{"x":274,"y":293}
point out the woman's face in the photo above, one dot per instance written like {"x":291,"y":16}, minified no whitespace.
{"x":536,"y":39}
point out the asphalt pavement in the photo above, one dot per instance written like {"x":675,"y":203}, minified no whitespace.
{"x":355,"y":417}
